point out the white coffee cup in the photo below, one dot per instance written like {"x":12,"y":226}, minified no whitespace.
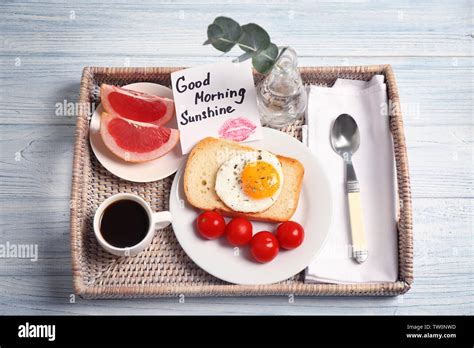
{"x":156,"y":220}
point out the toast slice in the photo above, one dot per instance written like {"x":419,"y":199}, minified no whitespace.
{"x":200,"y":177}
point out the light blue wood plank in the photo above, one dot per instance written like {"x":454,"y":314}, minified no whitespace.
{"x":36,"y":161}
{"x":425,"y":85}
{"x":323,"y":28}
{"x":440,"y":248}
{"x":51,"y":295}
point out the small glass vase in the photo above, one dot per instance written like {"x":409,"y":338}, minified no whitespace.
{"x":281,"y":96}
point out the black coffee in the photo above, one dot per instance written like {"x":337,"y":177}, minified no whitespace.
{"x":124,"y":223}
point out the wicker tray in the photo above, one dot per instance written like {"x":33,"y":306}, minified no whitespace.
{"x":164,"y":269}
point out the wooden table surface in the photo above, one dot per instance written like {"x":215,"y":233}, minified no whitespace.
{"x":44,"y":47}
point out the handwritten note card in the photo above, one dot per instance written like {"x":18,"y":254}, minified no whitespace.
{"x":217,"y":100}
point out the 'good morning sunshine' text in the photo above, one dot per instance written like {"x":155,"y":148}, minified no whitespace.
{"x":238,"y":97}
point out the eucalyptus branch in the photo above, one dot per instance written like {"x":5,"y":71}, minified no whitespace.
{"x":225,"y":33}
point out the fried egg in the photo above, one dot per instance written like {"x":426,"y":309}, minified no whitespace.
{"x":250,"y":182}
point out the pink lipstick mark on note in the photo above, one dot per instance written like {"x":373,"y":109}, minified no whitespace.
{"x":237,"y":129}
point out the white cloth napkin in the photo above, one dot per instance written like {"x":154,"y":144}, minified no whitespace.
{"x":374,"y":166}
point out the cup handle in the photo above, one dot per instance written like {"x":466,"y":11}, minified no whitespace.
{"x":161,"y":219}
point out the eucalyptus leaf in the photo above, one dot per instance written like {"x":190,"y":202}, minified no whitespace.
{"x":254,"y":38}
{"x":223,"y":34}
{"x":214,"y":33}
{"x":264,"y":60}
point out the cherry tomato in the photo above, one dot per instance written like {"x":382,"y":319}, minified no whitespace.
{"x":290,"y":235}
{"x":211,"y":225}
{"x":264,"y":246}
{"x":238,"y":231}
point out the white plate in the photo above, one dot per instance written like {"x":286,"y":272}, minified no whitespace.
{"x":138,"y":172}
{"x":314,"y":213}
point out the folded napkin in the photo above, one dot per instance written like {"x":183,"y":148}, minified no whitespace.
{"x":366,"y":102}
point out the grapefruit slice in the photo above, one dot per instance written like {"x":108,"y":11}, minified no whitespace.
{"x":136,"y":142}
{"x":136,"y":106}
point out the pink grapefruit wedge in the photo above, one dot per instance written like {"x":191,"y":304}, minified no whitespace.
{"x":136,"y":142}
{"x":136,"y":106}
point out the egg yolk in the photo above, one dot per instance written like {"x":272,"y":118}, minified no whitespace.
{"x":260,"y":180}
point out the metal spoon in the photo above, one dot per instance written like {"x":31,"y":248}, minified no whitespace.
{"x":345,"y":140}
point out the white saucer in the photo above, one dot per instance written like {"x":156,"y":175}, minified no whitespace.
{"x":137,"y":172}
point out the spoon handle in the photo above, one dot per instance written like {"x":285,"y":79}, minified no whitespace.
{"x":359,"y":242}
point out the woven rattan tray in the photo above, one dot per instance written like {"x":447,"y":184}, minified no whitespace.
{"x":164,"y":269}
